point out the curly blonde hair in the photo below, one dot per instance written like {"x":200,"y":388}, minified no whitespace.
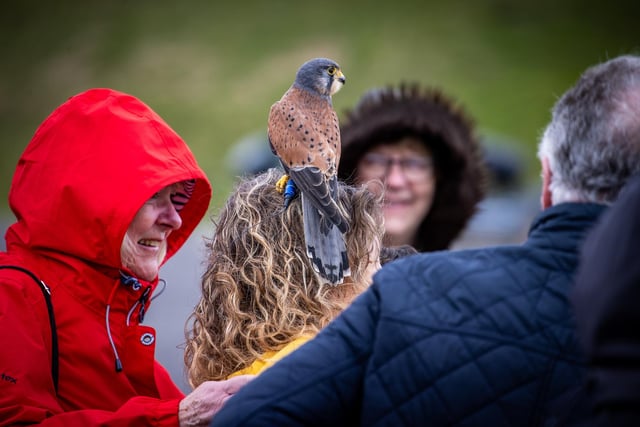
{"x":259,"y":291}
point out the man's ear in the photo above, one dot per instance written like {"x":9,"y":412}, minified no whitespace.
{"x":545,"y":196}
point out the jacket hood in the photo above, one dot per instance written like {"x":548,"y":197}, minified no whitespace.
{"x":386,"y":115}
{"x":88,"y":169}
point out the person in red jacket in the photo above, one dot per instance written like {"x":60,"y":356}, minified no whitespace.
{"x":104,"y":194}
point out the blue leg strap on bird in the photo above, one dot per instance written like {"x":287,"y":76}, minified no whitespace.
{"x":290,"y":192}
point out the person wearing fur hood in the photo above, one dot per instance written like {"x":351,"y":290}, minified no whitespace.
{"x":418,"y":149}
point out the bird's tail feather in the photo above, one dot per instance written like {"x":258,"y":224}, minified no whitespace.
{"x":325,"y":244}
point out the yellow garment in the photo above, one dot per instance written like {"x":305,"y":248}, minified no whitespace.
{"x":271,"y":357}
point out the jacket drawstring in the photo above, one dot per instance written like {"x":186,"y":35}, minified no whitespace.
{"x":118,"y":362}
{"x":142,"y":302}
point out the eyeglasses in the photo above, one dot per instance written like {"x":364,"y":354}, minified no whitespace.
{"x":414,"y":168}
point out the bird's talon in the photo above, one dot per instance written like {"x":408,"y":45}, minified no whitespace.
{"x":282,"y":183}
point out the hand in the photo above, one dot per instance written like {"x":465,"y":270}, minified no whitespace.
{"x":199,"y":407}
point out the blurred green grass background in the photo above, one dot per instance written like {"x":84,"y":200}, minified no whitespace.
{"x":212,"y":69}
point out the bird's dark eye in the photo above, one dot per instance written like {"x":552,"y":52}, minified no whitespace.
{"x":331,"y":70}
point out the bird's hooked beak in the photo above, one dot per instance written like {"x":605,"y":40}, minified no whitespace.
{"x":338,"y":80}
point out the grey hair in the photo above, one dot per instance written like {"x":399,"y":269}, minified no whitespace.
{"x":593,"y":140}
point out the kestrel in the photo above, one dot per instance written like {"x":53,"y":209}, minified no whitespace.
{"x":304,"y":134}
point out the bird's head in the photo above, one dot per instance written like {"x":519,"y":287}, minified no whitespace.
{"x":320,"y":75}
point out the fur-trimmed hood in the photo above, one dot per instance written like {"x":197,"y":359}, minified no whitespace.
{"x":385,"y":115}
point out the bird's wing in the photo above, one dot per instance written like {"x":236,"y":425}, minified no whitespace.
{"x":321,"y":192}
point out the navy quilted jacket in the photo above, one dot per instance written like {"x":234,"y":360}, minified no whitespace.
{"x":481,"y":337}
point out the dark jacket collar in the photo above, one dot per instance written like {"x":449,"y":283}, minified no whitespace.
{"x":568,"y":221}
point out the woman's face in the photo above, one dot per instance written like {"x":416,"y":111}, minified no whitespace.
{"x":407,"y":174}
{"x":145,"y":244}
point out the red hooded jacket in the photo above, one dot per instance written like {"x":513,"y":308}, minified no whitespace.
{"x":88,"y":169}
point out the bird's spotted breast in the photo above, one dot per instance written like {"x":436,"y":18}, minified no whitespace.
{"x":302,"y":139}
